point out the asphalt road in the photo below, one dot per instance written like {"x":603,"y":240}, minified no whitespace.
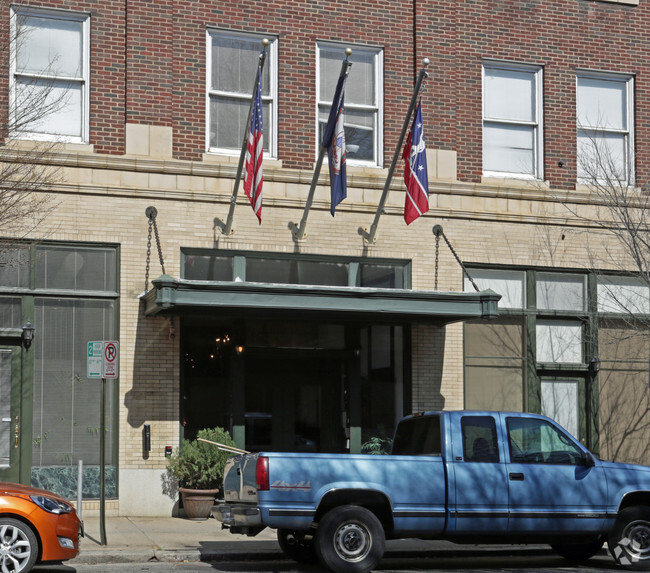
{"x":474,"y":564}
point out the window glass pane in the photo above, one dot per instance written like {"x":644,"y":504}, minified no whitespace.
{"x":561,"y":292}
{"x":508,"y":148}
{"x":359,"y":132}
{"x":479,"y":439}
{"x":559,"y":341}
{"x":49,"y":46}
{"x":509,"y":94}
{"x":560,"y":402}
{"x":382,"y":276}
{"x":623,"y":295}
{"x":509,"y":284}
{"x":296,"y":272}
{"x":418,"y":437}
{"x":64,"y":268}
{"x":536,"y":441}
{"x":65,"y":428}
{"x":14,"y":267}
{"x":61,"y":100}
{"x":10,"y":312}
{"x":360,"y":85}
{"x":601,"y":103}
{"x":228,"y":121}
{"x":602,"y":156}
{"x":234,"y":64}
{"x":208,"y":268}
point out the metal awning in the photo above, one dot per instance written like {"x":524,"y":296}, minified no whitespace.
{"x":170,"y":296}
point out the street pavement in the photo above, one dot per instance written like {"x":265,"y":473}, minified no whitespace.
{"x":174,"y":539}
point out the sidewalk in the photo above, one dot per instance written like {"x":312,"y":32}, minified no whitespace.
{"x":142,"y":539}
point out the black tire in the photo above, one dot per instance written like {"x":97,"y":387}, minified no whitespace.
{"x":296,"y":546}
{"x":20,"y":547}
{"x":629,"y":541}
{"x":350,"y":539}
{"x":578,"y":551}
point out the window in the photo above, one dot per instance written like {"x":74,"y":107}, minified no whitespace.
{"x":605,"y":140}
{"x":419,"y":436}
{"x":49,"y":74}
{"x":512,"y":120}
{"x":556,"y":291}
{"x":625,"y":295}
{"x":560,"y":403}
{"x":363,"y":98}
{"x":479,"y":439}
{"x":509,"y":284}
{"x":231,"y":67}
{"x":538,"y":441}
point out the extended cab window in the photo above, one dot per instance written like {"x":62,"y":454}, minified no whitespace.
{"x":479,"y":439}
{"x":539,"y":442}
{"x":418,"y":436}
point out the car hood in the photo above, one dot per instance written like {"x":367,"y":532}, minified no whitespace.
{"x":21,"y":489}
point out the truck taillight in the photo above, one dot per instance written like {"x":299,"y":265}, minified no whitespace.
{"x":262,"y":473}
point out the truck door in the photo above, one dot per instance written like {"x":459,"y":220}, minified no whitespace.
{"x":551,"y":486}
{"x":480,"y":501}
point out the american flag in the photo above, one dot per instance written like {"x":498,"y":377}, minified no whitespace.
{"x":253,"y":178}
{"x":415,"y":171}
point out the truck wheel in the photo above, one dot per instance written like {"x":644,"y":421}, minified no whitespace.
{"x":350,"y":539}
{"x":295,"y":546}
{"x":578,"y":551}
{"x":18,"y":546}
{"x":629,"y":541}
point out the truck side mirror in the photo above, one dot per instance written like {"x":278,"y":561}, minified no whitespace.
{"x":588,"y":460}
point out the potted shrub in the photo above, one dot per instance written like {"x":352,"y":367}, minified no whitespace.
{"x":198,"y":468}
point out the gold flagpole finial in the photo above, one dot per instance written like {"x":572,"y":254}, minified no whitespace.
{"x":426,"y":62}
{"x":348,"y":52}
{"x":265,"y":42}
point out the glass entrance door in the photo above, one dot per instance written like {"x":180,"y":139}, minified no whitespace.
{"x":10,"y":422}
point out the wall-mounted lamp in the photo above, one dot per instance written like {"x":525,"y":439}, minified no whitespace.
{"x":28,"y":334}
{"x":594,"y":365}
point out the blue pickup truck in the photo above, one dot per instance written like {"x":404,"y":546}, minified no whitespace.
{"x":468,"y":477}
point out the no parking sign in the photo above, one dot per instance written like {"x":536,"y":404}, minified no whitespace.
{"x":103,"y":359}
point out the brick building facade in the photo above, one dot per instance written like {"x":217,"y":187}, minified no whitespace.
{"x":154,"y":116}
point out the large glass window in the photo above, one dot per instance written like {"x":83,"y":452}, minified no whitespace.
{"x":512,"y":120}
{"x":49,"y":75}
{"x":233,"y":58}
{"x":479,"y":439}
{"x":623,"y":295}
{"x":363,"y":99}
{"x":605,"y":127}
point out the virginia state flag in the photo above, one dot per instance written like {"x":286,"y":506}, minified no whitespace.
{"x":416,"y":176}
{"x":253,"y":177}
{"x":334,"y":140}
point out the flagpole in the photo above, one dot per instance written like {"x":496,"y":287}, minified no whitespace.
{"x":370,"y":235}
{"x":227,"y":229}
{"x":299,"y":233}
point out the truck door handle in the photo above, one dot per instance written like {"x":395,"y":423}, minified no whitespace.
{"x":516,"y":477}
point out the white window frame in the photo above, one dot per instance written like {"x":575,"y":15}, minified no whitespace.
{"x":377,"y":107}
{"x":271,"y":63}
{"x":83,"y":80}
{"x":627,"y":132}
{"x":537,"y":123}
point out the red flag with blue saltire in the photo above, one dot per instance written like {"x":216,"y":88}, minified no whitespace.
{"x":253,"y":178}
{"x":415,"y":171}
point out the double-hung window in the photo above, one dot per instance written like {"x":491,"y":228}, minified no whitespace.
{"x":49,"y":74}
{"x":363,"y":99}
{"x":605,"y":128}
{"x":233,"y":58}
{"x":512,"y":120}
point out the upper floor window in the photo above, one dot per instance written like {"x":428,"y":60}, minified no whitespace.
{"x":512,"y":120}
{"x":363,"y":99}
{"x":233,"y":58}
{"x":605,"y":140}
{"x":49,"y":74}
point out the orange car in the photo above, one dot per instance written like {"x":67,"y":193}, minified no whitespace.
{"x":35,"y":526}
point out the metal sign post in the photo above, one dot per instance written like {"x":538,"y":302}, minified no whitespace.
{"x":103,"y":361}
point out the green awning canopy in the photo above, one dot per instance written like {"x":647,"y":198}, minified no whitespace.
{"x":180,"y":296}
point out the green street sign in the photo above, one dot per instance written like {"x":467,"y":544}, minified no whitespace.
{"x":95,"y":359}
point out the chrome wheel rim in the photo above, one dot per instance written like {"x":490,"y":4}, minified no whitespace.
{"x":636,"y":541}
{"x":352,"y":542}
{"x":15,"y":549}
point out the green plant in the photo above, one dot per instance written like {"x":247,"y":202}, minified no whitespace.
{"x":199,"y":465}
{"x":377,"y":445}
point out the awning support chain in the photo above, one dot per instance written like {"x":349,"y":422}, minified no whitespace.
{"x":438,"y":232}
{"x":151,"y":213}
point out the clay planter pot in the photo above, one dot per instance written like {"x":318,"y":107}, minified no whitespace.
{"x":198,"y":502}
